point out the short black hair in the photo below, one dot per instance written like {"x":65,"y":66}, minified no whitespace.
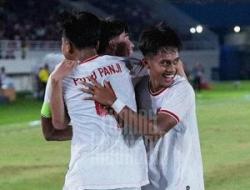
{"x":157,"y":37}
{"x":109,"y":30}
{"x":80,"y":28}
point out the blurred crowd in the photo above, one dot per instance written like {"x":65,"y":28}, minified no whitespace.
{"x":28,"y":20}
{"x":137,"y":15}
{"x":36,"y":20}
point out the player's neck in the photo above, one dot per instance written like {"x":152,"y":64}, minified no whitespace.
{"x":109,"y":51}
{"x":86,"y":54}
{"x":154,"y":86}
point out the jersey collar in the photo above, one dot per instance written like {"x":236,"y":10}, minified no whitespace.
{"x":89,"y":59}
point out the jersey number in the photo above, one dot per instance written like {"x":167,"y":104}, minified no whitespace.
{"x":102,"y":110}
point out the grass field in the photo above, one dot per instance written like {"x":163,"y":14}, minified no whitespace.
{"x":28,"y":162}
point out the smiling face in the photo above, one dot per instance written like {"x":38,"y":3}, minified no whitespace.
{"x":162,"y":68}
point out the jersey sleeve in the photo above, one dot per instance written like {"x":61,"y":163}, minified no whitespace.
{"x":136,"y":70}
{"x":46,"y":109}
{"x":179,"y":101}
{"x":123,"y":87}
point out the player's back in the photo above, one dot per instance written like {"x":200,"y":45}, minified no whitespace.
{"x":88,"y":117}
{"x":98,"y":144}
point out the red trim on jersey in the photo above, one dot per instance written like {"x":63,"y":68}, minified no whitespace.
{"x":171,"y":114}
{"x":157,"y":92}
{"x":89,"y":59}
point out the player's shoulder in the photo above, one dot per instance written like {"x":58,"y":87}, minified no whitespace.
{"x":182,"y":84}
{"x":112,"y":58}
{"x":99,"y":60}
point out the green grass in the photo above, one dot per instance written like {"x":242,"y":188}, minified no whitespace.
{"x":224,"y":122}
{"x":22,"y":110}
{"x":28,"y":162}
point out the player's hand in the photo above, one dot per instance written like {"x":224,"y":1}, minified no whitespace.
{"x":63,"y":69}
{"x":102,"y":94}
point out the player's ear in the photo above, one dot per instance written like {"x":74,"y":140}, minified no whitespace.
{"x":67,"y":46}
{"x":145,"y":62}
{"x":70,"y":48}
{"x":70,"y":51}
{"x":112,"y":45}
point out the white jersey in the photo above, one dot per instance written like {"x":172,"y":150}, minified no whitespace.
{"x":101,"y":156}
{"x":136,"y":70}
{"x":175,"y":162}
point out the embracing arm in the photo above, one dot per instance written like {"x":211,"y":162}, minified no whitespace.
{"x":49,"y":131}
{"x":60,"y":119}
{"x":54,"y":117}
{"x":104,"y":95}
{"x":144,"y":126}
{"x":52,"y":134}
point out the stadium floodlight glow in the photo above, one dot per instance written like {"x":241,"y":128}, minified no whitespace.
{"x":192,"y":30}
{"x":237,"y":29}
{"x":199,"y":29}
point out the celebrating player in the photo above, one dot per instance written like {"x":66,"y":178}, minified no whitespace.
{"x":175,"y":161}
{"x":100,"y":156}
{"x":114,"y":40}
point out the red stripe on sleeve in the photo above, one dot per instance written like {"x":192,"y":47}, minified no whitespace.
{"x":171,"y":114}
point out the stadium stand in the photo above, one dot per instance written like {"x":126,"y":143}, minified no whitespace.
{"x":37,"y":22}
{"x":26,"y":37}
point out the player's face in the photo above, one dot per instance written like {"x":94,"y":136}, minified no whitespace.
{"x":163,"y":68}
{"x":123,"y":45}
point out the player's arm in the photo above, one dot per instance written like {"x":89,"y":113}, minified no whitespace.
{"x":52,"y":134}
{"x":49,"y":131}
{"x":55,"y":127}
{"x":59,"y":117}
{"x":158,"y":126}
{"x":104,"y":95}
